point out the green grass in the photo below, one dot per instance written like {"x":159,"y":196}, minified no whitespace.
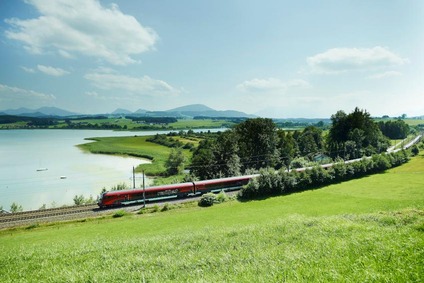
{"x":134,"y":146}
{"x":365,"y":230}
{"x":200,"y":124}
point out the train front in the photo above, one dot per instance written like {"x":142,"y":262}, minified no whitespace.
{"x":100,"y":202}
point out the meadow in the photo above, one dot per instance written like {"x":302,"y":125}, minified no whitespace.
{"x":365,"y":230}
{"x":137,"y":146}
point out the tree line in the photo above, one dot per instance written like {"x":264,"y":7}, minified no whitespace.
{"x":258,"y":143}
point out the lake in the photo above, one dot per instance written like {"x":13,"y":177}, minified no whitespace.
{"x":45,"y":167}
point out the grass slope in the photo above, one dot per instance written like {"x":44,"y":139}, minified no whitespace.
{"x":370,"y":229}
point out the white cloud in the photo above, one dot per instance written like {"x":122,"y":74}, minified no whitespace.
{"x":28,"y":70}
{"x":135,"y":85}
{"x":388,"y":74}
{"x":51,"y":71}
{"x":82,"y":27}
{"x":18,"y":97}
{"x":338,"y":60}
{"x":270,"y":85}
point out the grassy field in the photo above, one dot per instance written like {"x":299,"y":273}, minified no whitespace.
{"x":134,"y":146}
{"x":365,"y":230}
{"x":128,"y":124}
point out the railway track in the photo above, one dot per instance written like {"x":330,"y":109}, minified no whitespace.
{"x":67,"y":213}
{"x":45,"y":215}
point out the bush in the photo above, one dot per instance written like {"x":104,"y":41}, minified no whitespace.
{"x":221,"y":197}
{"x":120,"y":213}
{"x":414,"y":150}
{"x":207,"y":200}
{"x":166,"y":207}
{"x":270,"y":183}
{"x":251,"y":190}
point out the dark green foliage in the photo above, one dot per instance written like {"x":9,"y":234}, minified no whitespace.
{"x":415,"y":150}
{"x":154,"y":120}
{"x":119,"y":213}
{"x":394,"y":129}
{"x":225,"y":151}
{"x":166,"y":207}
{"x":175,"y":162}
{"x":165,"y":141}
{"x":207,"y":200}
{"x":257,"y":143}
{"x":271,"y":183}
{"x":203,"y":162}
{"x":217,"y":157}
{"x":310,"y":141}
{"x":287,"y":148}
{"x":355,"y":135}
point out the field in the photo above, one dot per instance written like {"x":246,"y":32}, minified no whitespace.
{"x":134,"y":146}
{"x":365,"y":230}
{"x":120,"y":124}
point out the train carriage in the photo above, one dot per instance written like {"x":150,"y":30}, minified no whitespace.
{"x":224,"y":184}
{"x":125,"y":197}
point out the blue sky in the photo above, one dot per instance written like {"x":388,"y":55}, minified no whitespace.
{"x":270,"y":58}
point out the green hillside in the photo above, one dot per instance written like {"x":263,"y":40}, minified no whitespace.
{"x":365,"y":230}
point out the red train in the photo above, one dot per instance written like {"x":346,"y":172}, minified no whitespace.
{"x":125,"y":197}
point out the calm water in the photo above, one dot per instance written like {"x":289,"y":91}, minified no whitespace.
{"x":69,"y":171}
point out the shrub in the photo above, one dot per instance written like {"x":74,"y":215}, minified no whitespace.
{"x":120,"y":213}
{"x":16,"y":208}
{"x":166,"y":207}
{"x":221,"y":197}
{"x":251,"y":190}
{"x":207,"y":200}
{"x":415,"y":150}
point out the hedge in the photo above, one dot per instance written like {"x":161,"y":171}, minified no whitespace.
{"x":273,"y":183}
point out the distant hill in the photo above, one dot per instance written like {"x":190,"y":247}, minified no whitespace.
{"x":40,"y":112}
{"x":141,"y":111}
{"x":192,"y":108}
{"x":188,"y":111}
{"x":121,"y":111}
{"x":195,"y":110}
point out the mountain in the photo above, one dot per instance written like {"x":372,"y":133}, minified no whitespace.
{"x":18,"y":111}
{"x":194,"y":110}
{"x":121,"y":111}
{"x":40,"y":112}
{"x":54,"y":111}
{"x":188,"y":111}
{"x":141,"y":111}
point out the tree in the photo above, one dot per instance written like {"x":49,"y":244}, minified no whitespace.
{"x":287,"y":148}
{"x":217,"y":157}
{"x":16,"y":208}
{"x":257,"y":140}
{"x":355,"y":134}
{"x":203,"y":162}
{"x":310,"y":141}
{"x":175,"y":162}
{"x":394,"y":129}
{"x":225,"y":153}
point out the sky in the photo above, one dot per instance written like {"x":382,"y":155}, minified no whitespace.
{"x":276,"y":59}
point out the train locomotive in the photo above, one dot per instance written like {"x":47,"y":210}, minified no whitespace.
{"x":182,"y":190}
